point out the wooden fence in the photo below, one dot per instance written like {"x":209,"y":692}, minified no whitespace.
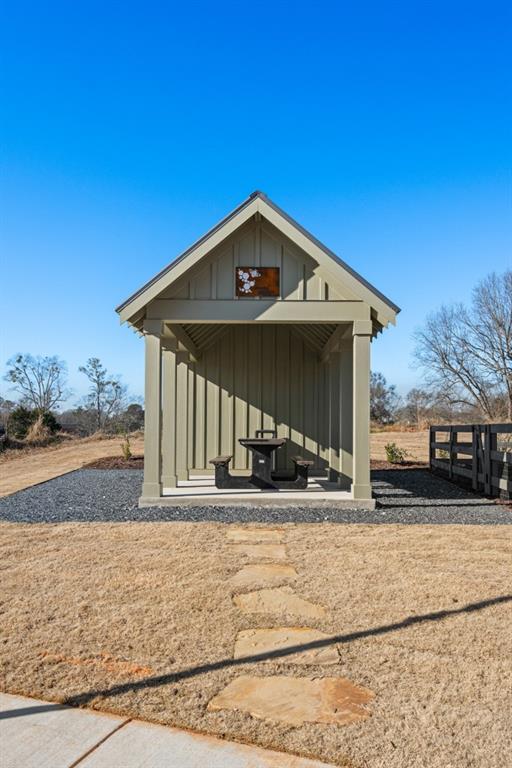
{"x":478,"y":456}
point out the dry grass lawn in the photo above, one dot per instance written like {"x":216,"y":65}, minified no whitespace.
{"x":415,"y":443}
{"x":22,"y":468}
{"x":93,"y":608}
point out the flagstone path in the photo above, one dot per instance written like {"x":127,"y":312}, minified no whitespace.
{"x":265,"y":551}
{"x":259,"y":535}
{"x":287,"y":699}
{"x":263,"y":573}
{"x":279,"y":601}
{"x":256,"y":641}
{"x":295,"y":700}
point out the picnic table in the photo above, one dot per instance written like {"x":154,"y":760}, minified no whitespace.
{"x":263,"y":476}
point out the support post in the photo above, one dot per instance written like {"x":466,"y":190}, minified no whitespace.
{"x":182,"y":416}
{"x":334,"y":418}
{"x":152,"y":487}
{"x":346,"y":415}
{"x":361,"y":487}
{"x":169,"y":478}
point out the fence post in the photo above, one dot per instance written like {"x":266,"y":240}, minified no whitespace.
{"x":493,"y":446}
{"x":487,"y":460}
{"x":431,"y":450}
{"x":450,"y":465}
{"x":474,"y":457}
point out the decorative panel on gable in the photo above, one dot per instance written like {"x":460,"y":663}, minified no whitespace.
{"x":252,"y":282}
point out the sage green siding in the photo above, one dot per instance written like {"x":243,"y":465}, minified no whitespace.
{"x":262,"y":377}
{"x":258,"y":243}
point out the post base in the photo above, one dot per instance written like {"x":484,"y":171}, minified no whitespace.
{"x":361,"y":491}
{"x":152,"y":490}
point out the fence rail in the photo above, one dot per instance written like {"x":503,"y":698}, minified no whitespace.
{"x":480,"y":458}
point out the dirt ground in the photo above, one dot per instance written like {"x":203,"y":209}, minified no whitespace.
{"x":21,"y":469}
{"x":128,"y":617}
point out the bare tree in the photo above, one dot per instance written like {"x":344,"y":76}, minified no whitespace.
{"x":383,"y":399}
{"x":106,"y":396}
{"x":467,"y":352}
{"x":418,"y":407}
{"x":39,"y":381}
{"x":6,"y":408}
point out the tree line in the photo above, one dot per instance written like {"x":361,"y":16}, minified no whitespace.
{"x":40,"y":384}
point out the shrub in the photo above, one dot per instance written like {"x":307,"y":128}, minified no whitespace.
{"x":38,"y":433}
{"x":394,"y":454}
{"x":22,"y":419}
{"x":126,"y":448}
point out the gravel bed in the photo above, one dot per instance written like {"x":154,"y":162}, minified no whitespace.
{"x":92,"y":495}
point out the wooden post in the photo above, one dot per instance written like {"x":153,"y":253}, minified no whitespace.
{"x":334,"y":417}
{"x":492,"y":446}
{"x":431,"y":449}
{"x":182,"y":416}
{"x":450,"y":460}
{"x":361,"y":487}
{"x":474,"y":457}
{"x":346,"y":415}
{"x":152,"y":487}
{"x":487,"y":461}
{"x":169,"y":479}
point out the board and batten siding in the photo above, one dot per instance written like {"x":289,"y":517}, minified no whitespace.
{"x":262,"y":377}
{"x":258,"y":243}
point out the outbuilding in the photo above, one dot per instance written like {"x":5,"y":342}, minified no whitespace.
{"x":256,"y":326}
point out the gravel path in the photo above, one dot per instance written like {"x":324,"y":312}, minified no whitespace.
{"x":404,"y":496}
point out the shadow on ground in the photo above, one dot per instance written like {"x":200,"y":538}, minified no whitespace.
{"x":156,"y":681}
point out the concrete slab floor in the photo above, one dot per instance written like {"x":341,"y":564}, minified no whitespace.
{"x":40,"y":734}
{"x":202,"y":490}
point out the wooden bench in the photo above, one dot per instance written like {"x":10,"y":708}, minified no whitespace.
{"x":296,"y":479}
{"x":222,"y":476}
{"x":301,"y":471}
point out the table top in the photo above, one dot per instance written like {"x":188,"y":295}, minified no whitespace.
{"x":276,"y":442}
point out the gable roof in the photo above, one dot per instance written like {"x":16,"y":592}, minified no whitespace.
{"x":131,"y":309}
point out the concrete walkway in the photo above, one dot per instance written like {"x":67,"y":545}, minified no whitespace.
{"x":39,"y":734}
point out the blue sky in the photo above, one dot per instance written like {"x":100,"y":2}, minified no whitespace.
{"x":129,"y":129}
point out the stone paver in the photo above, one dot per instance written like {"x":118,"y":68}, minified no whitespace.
{"x":256,"y":641}
{"x":39,"y":734}
{"x":269,"y":535}
{"x":279,"y":601}
{"x":141,"y":745}
{"x":261,"y":551}
{"x":294,"y":700}
{"x":262,"y":573}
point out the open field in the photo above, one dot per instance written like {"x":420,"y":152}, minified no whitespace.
{"x":415,"y":443}
{"x":127,"y":618}
{"x":21,"y":469}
